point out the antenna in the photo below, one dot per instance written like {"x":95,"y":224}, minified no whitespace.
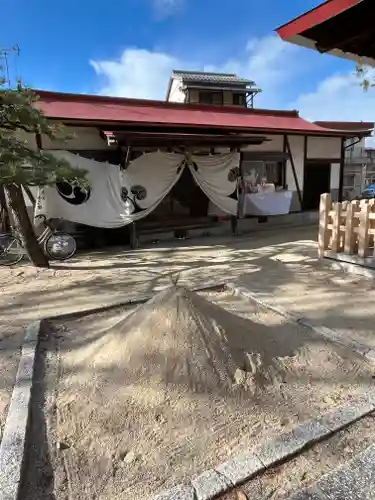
{"x":4,"y":54}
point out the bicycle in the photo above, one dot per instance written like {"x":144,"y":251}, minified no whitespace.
{"x":57,"y":245}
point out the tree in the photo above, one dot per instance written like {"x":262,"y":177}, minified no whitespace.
{"x":22,"y":164}
{"x":366,"y":74}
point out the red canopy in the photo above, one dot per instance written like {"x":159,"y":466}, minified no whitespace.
{"x":344,"y":28}
{"x":116,"y":112}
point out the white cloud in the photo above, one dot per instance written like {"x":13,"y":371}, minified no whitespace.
{"x":275,"y":66}
{"x":143,"y":73}
{"x":138,"y":73}
{"x":166,"y":8}
{"x":339,"y":96}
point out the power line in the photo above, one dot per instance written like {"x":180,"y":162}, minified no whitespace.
{"x":4,"y":54}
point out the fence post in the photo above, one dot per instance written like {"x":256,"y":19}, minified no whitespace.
{"x":336,"y":223}
{"x":324,"y":209}
{"x":349,"y":226}
{"x":364,"y":224}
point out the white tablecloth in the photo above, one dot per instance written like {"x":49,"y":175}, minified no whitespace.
{"x":261,"y":204}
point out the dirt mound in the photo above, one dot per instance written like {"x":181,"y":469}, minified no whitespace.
{"x":149,"y":398}
{"x":180,"y":338}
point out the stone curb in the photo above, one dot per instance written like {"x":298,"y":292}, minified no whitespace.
{"x":335,"y":336}
{"x":137,"y":300}
{"x":12,"y":447}
{"x":354,"y":481}
{"x":241,"y":468}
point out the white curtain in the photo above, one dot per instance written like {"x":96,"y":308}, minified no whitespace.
{"x":113,"y":195}
{"x":217,"y":177}
{"x":149,"y":178}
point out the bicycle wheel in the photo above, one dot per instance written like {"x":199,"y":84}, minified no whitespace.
{"x":11,"y":250}
{"x":60,"y":246}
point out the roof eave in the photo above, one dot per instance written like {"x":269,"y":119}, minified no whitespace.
{"x":317,"y":15}
{"x":239,"y":130}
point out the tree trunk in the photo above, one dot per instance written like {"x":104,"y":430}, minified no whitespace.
{"x":4,"y":215}
{"x":25,"y":227}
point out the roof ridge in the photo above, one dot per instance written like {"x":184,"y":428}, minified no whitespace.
{"x":191,"y":72}
{"x":62,"y":96}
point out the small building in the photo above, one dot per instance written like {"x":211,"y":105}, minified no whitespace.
{"x":197,"y":87}
{"x":277,"y":147}
{"x":359,"y":168}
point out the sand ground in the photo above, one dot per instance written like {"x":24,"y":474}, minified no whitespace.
{"x":111,"y":437}
{"x":279,"y":263}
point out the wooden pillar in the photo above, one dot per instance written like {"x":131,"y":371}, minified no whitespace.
{"x":291,"y":159}
{"x":324,"y":209}
{"x":342,"y":166}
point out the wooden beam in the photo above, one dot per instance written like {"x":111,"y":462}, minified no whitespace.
{"x":342,"y":167}
{"x":291,"y":159}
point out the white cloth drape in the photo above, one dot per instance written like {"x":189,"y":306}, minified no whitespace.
{"x":217,"y":177}
{"x":156,"y":173}
{"x":152,"y":176}
{"x":116,"y":198}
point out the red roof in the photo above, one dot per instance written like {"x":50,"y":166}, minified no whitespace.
{"x":120,"y":111}
{"x":343,"y":28}
{"x":319,"y":14}
{"x":352,"y":126}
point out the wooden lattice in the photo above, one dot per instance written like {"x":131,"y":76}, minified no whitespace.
{"x":347,"y":227}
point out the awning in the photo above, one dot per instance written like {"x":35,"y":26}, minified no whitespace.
{"x":113,"y":112}
{"x":344,"y":28}
{"x":160,"y":139}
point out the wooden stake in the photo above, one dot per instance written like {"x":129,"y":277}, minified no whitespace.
{"x":364,"y":224}
{"x":324,"y":208}
{"x":336,"y":227}
{"x":350,"y":224}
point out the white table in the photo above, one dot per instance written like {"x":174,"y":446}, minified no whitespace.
{"x":263,"y":204}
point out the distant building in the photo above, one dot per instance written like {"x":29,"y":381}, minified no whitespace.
{"x":195,"y":87}
{"x":359,"y":168}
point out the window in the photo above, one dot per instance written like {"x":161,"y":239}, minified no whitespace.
{"x":272,"y":171}
{"x":239,"y":99}
{"x":207,"y":97}
{"x":349,"y":181}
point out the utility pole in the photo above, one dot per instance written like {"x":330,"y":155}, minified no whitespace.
{"x":4,"y":55}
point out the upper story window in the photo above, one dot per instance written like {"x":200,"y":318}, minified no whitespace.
{"x":208,"y":97}
{"x":239,"y":99}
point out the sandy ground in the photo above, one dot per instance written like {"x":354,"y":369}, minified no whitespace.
{"x":91,"y":280}
{"x":277,"y":263}
{"x":122,"y":435}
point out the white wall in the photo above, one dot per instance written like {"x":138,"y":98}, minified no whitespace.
{"x":84,"y":138}
{"x":176,"y":94}
{"x":274,"y":143}
{"x":324,"y":147}
{"x":335,"y":175}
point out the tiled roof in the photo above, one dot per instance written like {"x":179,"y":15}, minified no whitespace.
{"x":201,"y":76}
{"x":115,"y":110}
{"x":346,"y":125}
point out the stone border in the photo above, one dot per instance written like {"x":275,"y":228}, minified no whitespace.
{"x":12,"y":446}
{"x":241,"y":468}
{"x":353,"y":480}
{"x":334,"y":336}
{"x":350,"y":268}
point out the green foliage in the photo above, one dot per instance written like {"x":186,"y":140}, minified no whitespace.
{"x":366,"y":74}
{"x":20,"y":161}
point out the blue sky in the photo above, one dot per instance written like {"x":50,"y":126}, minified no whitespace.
{"x":129,"y":47}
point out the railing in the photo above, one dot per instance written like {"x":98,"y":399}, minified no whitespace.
{"x":347,"y":227}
